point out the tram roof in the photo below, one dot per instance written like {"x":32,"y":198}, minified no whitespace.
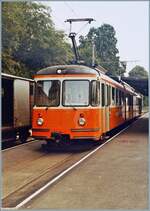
{"x":81,"y":69}
{"x":68,"y":69}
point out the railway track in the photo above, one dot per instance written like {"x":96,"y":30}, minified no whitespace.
{"x":29,"y":167}
{"x":32,"y":170}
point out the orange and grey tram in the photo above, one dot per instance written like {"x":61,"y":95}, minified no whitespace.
{"x":74,"y":102}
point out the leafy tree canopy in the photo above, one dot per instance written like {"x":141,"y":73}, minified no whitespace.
{"x":138,"y":72}
{"x":29,"y":39}
{"x":31,"y":42}
{"x":106,"y":50}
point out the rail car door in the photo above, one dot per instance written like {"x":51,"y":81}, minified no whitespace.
{"x":105,"y":108}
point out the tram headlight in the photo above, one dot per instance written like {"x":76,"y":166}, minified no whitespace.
{"x":40,"y":121}
{"x":82,"y":121}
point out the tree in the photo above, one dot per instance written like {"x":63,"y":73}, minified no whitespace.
{"x":106,"y":50}
{"x":29,"y":40}
{"x":138,"y":72}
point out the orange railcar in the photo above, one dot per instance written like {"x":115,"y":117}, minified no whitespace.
{"x":80,"y":102}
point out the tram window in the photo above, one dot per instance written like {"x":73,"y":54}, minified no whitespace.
{"x":117,"y":96}
{"x":120,"y":97}
{"x":127,"y":100}
{"x":106,"y":99}
{"x":108,"y":95}
{"x":76,"y":93}
{"x":95,"y":93}
{"x":137,"y":101}
{"x":130,"y":100}
{"x":103,"y":95}
{"x":47,"y":93}
{"x":113,"y":96}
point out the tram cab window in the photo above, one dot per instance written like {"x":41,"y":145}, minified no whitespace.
{"x":113,"y":96}
{"x":103,"y":94}
{"x":95,"y":93}
{"x":47,"y":93}
{"x":75,"y":93}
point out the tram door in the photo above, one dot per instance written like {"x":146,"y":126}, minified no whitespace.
{"x":105,"y":107}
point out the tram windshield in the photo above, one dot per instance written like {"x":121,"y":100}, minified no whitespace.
{"x":47,"y":93}
{"x":75,"y":93}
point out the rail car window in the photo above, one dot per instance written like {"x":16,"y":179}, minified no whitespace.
{"x":130,"y":100}
{"x":137,"y":101}
{"x":103,"y":94}
{"x":95,"y":93}
{"x":108,"y":95}
{"x":117,"y":97}
{"x":47,"y":93}
{"x":113,"y":96}
{"x":75,"y":93}
{"x":120,"y":96}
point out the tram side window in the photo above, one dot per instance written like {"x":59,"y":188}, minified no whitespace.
{"x":108,"y":96}
{"x":137,"y":101}
{"x":95,"y":95}
{"x":130,"y":100}
{"x":113,"y":96}
{"x":120,"y":97}
{"x":103,"y":95}
{"x":117,"y":97}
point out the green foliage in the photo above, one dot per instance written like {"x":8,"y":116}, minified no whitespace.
{"x":31,"y":42}
{"x":106,"y":50}
{"x":138,"y":72}
{"x":13,"y":67}
{"x":29,"y":39}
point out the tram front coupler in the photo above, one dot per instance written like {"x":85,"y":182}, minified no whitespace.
{"x":56,"y":137}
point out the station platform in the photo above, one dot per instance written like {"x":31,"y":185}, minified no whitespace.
{"x":115,"y":177}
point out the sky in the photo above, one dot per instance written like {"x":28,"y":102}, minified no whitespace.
{"x":129,"y":19}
